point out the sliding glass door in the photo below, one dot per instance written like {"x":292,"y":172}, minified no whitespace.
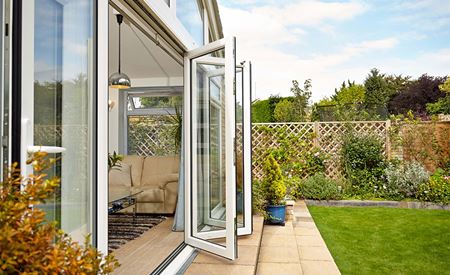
{"x":57,"y":103}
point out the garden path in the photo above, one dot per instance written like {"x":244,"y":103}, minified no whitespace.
{"x":296,"y":248}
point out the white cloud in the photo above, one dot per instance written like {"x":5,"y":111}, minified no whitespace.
{"x":264,"y":32}
{"x":312,"y":12}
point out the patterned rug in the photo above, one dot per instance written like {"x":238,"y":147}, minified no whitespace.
{"x":122,"y":228}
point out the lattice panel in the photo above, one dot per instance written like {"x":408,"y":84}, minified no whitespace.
{"x":151,"y":139}
{"x":328,"y":137}
{"x":264,"y":137}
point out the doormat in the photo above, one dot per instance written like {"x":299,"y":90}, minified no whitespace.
{"x":122,"y":228}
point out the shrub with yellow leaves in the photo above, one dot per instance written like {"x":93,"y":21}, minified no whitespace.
{"x":29,"y":243}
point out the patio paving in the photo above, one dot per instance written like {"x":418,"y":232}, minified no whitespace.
{"x":248,"y":248}
{"x":296,"y":248}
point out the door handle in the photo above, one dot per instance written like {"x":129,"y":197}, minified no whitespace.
{"x":47,"y":149}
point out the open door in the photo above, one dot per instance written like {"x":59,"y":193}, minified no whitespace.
{"x":243,"y":149}
{"x":210,"y":159}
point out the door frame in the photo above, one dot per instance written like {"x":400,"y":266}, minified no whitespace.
{"x":230,"y":250}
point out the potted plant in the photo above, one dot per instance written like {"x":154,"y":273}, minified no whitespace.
{"x":274,"y":192}
{"x":114,"y":160}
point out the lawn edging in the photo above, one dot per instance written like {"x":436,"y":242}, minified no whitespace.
{"x":393,"y":204}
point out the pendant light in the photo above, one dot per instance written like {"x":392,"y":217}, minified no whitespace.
{"x":119,"y":80}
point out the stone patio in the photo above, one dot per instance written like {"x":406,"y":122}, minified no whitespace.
{"x":248,"y":248}
{"x":296,"y":248}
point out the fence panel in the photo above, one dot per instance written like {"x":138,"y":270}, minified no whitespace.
{"x":328,"y":137}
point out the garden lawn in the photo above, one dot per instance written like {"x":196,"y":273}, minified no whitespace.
{"x":375,"y":240}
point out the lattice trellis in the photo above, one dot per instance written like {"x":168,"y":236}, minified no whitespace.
{"x":264,"y":137}
{"x":151,"y":139}
{"x":327,"y":136}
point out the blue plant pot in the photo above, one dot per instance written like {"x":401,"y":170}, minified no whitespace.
{"x":277,"y":214}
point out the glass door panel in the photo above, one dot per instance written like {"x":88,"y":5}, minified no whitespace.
{"x":243,"y":149}
{"x":57,"y":103}
{"x":239,"y":147}
{"x":209,"y":143}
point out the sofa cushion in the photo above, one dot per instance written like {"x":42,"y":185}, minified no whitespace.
{"x":117,"y":192}
{"x":158,"y":166}
{"x":120,"y":176}
{"x":136,"y":163}
{"x":151,"y":195}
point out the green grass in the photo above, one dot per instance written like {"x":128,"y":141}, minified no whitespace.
{"x":375,"y":240}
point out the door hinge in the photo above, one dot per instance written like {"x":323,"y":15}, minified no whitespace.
{"x":6,"y":29}
{"x":5,"y":141}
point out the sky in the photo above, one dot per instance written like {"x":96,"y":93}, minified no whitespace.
{"x":332,"y":41}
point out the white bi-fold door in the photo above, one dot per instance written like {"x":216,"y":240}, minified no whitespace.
{"x":217,"y":148}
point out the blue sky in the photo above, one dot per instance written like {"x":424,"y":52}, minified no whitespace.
{"x":332,"y":41}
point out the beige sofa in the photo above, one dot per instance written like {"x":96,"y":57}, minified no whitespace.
{"x":156,"y":176}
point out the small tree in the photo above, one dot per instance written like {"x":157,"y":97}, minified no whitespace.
{"x":273,"y":183}
{"x":301,"y":99}
{"x":29,"y":243}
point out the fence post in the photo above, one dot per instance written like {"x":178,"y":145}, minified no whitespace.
{"x":316,"y":132}
{"x":388,"y":139}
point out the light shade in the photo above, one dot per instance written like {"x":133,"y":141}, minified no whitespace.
{"x":119,"y":81}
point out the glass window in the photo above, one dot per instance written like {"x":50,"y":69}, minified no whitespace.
{"x":62,"y":105}
{"x":154,"y":125}
{"x":156,"y":102}
{"x":189,"y":12}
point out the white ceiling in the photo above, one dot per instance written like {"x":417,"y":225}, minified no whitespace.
{"x":141,"y":58}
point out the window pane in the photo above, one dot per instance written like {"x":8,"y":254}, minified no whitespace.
{"x":156,"y":102}
{"x":190,"y":15}
{"x":63,"y":39}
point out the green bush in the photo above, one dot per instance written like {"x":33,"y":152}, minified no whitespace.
{"x":437,"y":189}
{"x":403,"y":180}
{"x":273,"y":183}
{"x":259,"y":202}
{"x":319,"y":187}
{"x":363,"y":163}
{"x":292,"y":187}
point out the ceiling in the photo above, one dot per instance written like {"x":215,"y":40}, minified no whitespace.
{"x":141,"y":58}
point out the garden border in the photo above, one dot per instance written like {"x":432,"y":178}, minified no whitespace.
{"x":369,"y":203}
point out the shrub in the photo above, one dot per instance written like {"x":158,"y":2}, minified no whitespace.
{"x":292,"y":189}
{"x":273,"y":184}
{"x":362,"y":161}
{"x":437,"y":189}
{"x":403,"y":181}
{"x":259,"y":202}
{"x":319,"y":187}
{"x":31,"y":245}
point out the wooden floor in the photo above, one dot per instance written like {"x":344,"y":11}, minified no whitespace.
{"x":142,"y":255}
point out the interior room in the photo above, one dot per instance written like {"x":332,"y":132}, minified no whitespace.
{"x":145,"y":103}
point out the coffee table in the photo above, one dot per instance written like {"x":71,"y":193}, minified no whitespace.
{"x":122,"y":200}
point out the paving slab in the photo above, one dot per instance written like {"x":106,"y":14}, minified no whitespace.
{"x":279,"y":254}
{"x":248,"y":251}
{"x":279,"y":268}
{"x":319,"y":268}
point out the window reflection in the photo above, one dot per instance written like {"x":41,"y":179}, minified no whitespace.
{"x":190,"y":14}
{"x":63,"y":33}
